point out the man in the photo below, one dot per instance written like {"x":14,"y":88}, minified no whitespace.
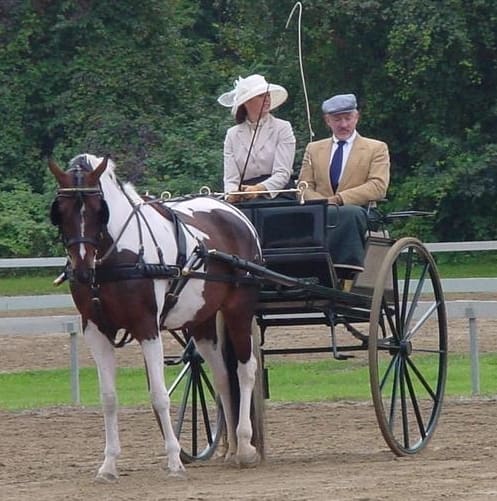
{"x":351,"y":172}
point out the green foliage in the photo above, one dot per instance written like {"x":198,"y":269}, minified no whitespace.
{"x":140,"y":80}
{"x":24,"y":228}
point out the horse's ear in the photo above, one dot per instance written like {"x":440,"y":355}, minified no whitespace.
{"x":56,"y":170}
{"x":55,"y":213}
{"x":94,"y":176}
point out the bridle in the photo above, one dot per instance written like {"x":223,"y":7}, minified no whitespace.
{"x":78,"y":191}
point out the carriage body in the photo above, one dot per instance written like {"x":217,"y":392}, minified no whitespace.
{"x":394,"y":311}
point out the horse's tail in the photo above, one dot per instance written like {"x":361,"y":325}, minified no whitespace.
{"x":257,"y":410}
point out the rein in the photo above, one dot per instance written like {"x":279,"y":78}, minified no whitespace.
{"x":259,"y":116}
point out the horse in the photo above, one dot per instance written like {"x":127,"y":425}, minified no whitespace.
{"x":130,"y":259}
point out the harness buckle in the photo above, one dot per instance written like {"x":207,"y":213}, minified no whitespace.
{"x":177,"y":272}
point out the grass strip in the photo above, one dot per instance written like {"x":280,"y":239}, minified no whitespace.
{"x":307,"y":381}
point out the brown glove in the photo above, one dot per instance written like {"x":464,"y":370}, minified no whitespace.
{"x":248,"y":189}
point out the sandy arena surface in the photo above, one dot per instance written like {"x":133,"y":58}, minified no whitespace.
{"x":326,"y":451}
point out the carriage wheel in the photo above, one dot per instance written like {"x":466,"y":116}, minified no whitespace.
{"x":408,"y":347}
{"x":197,"y":417}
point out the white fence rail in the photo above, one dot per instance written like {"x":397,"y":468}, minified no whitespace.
{"x":71,"y":324}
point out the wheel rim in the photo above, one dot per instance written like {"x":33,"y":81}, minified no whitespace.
{"x":197,"y":414}
{"x":408,"y":347}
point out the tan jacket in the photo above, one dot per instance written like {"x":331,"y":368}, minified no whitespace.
{"x":365,"y":178}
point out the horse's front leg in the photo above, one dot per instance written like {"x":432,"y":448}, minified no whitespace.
{"x":104,"y":356}
{"x":154,"y":359}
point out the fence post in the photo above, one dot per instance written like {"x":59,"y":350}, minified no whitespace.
{"x":75,"y":391}
{"x":473,"y":348}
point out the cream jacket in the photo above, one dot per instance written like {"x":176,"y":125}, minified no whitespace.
{"x":272,"y":153}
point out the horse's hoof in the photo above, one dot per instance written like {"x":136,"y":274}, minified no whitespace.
{"x":230,"y":459}
{"x":249,"y":461}
{"x":178,"y":475}
{"x":106,"y":478}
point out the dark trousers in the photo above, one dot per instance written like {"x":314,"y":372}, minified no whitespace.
{"x":347,"y":229}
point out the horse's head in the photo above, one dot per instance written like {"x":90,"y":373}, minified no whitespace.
{"x":80,"y":212}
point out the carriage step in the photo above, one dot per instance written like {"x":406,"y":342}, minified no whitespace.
{"x":341,"y":356}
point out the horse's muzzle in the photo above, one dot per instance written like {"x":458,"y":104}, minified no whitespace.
{"x":85,"y":275}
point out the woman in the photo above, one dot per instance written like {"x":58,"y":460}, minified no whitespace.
{"x":259,"y":150}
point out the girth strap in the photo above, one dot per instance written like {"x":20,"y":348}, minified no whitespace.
{"x":136,"y":271}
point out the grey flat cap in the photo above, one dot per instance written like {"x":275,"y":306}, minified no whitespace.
{"x":342,"y":103}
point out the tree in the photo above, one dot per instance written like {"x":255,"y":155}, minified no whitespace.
{"x":140,"y":80}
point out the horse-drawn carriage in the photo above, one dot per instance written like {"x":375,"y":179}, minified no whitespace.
{"x":394,"y":310}
{"x":142,"y":264}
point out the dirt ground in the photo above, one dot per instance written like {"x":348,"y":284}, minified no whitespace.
{"x":325,"y":451}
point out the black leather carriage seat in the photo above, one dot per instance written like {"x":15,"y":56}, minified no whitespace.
{"x":287,"y":226}
{"x":293,"y":239}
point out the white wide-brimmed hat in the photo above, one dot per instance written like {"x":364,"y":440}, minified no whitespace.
{"x":247,"y":88}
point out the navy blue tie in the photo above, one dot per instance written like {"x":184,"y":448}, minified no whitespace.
{"x":336,"y":165}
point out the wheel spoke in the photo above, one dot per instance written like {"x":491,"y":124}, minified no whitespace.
{"x":405,"y":422}
{"x":417,"y":294}
{"x":393,"y":362}
{"x":422,"y":379}
{"x":395,"y":299}
{"x":203,"y":406}
{"x":393,"y":399}
{"x":179,"y":338}
{"x":179,"y":378}
{"x":415,"y":405}
{"x":194,"y":409}
{"x":207,"y":382}
{"x":405,"y":292}
{"x":426,"y":316}
{"x":387,"y":312}
{"x":184,"y":402}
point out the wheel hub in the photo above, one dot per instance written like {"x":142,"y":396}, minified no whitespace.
{"x":405,"y":348}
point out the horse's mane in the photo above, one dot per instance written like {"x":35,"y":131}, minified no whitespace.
{"x":109,"y":176}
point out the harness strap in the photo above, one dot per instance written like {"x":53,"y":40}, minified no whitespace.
{"x":179,"y":235}
{"x":244,"y":280}
{"x":177,"y":285}
{"x":179,"y":282}
{"x":135,"y":272}
{"x":97,"y":306}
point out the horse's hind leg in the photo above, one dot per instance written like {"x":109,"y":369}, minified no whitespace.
{"x":103,"y":354}
{"x":239,"y":328}
{"x":154,"y":359}
{"x":246,"y":453}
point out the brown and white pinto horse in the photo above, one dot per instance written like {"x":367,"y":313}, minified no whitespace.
{"x":108,"y":230}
